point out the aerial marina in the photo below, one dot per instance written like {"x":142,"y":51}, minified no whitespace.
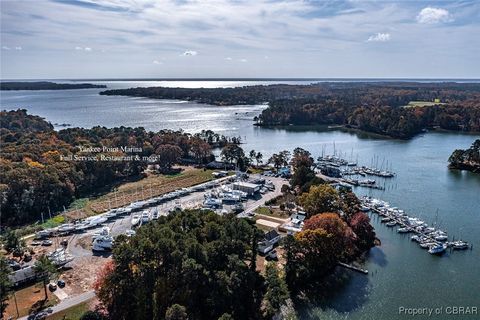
{"x":427,"y":237}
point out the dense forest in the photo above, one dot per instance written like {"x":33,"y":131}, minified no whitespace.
{"x":378,"y":107}
{"x":468,"y":159}
{"x":167,"y":266}
{"x":36,"y":176}
{"x":46,"y":85}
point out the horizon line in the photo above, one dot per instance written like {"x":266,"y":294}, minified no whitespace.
{"x":243,"y":79}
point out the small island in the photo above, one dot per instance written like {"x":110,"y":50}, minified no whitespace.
{"x":468,"y":159}
{"x":46,"y":85}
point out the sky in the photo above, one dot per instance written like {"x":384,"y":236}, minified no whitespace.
{"x":68,"y":39}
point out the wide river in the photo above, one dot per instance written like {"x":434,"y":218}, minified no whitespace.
{"x":401,"y":275}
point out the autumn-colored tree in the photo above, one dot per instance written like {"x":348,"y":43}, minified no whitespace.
{"x":321,"y":198}
{"x":360,"y":224}
{"x":168,"y":155}
{"x":334,"y":225}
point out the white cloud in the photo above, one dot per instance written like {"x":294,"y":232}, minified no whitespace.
{"x":78,"y":48}
{"x":243,"y":60}
{"x":430,"y":15}
{"x":379,"y":37}
{"x":88,"y":49}
{"x":157,"y":62}
{"x":6,"y":48}
{"x":228,"y":59}
{"x":189,"y":53}
{"x":18,"y":48}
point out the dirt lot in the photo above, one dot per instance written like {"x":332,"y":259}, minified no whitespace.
{"x":82,"y":274}
{"x":29,"y":299}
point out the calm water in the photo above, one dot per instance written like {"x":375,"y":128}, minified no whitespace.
{"x":401,"y":274}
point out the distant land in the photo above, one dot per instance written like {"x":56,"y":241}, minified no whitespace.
{"x":376,"y":107}
{"x":46,"y":85}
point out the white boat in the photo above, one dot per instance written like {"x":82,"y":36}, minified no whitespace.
{"x":437,"y":249}
{"x":110,"y":214}
{"x":130,"y":232}
{"x":427,"y":244}
{"x":96,"y":220}
{"x":66,"y":227}
{"x":459,"y":245}
{"x":103,"y":243}
{"x":441,"y":237}
{"x":403,"y":230}
{"x":145,"y":217}
{"x":211,"y":202}
{"x":135,"y":219}
{"x":104,"y":232}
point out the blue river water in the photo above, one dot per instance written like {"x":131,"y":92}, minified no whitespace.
{"x":401,"y":275}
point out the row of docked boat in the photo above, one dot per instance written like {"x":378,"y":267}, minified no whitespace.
{"x":428,"y":237}
{"x":95,"y":221}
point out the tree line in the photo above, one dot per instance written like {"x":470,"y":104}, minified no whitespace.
{"x":377,"y":107}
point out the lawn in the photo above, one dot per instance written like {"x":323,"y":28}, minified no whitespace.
{"x":72,"y":313}
{"x":422,"y":104}
{"x":29,"y":299}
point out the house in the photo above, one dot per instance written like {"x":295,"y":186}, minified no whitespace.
{"x":22,"y":276}
{"x":264,"y":247}
{"x":272,"y":236}
{"x":249,"y":188}
{"x":270,"y":239}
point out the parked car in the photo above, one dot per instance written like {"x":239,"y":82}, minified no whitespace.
{"x":47,"y":242}
{"x":52,"y":287}
{"x":61,"y":283}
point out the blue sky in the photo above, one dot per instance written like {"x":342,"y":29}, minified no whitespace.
{"x":168,"y":39}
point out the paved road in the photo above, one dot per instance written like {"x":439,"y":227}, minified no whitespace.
{"x":70,"y":302}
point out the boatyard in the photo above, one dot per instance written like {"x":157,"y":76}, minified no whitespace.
{"x":82,"y":247}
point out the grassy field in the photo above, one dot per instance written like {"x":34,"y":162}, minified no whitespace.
{"x":422,"y":104}
{"x":29,"y":299}
{"x":73,"y":313}
{"x":151,"y":186}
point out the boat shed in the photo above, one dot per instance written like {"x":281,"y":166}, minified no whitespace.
{"x":249,"y":188}
{"x":22,"y":276}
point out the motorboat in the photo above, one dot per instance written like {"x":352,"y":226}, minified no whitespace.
{"x":438,"y":248}
{"x":459,"y":245}
{"x":441,"y":237}
{"x":154,"y":214}
{"x":110,"y":214}
{"x":96,"y":220}
{"x":386,"y":219}
{"x":145,"y":218}
{"x":43,"y":234}
{"x":415,"y":238}
{"x":391,"y":224}
{"x":135,"y":219}
{"x":427,"y":244}
{"x":130,"y":232}
{"x":103,"y":243}
{"x":403,"y":230}
{"x":66,"y":228}
{"x":211,"y":202}
{"x":104,"y":232}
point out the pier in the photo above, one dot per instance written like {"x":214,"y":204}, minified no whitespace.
{"x":435,"y":240}
{"x":352,"y":267}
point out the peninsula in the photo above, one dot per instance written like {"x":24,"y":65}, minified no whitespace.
{"x":46,"y":85}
